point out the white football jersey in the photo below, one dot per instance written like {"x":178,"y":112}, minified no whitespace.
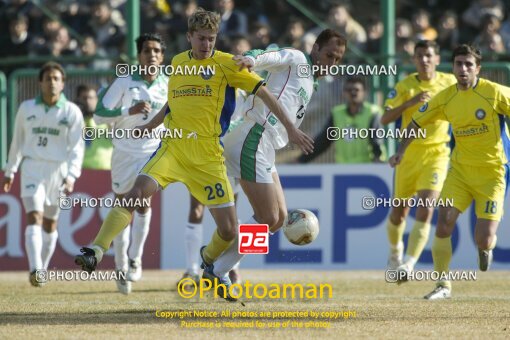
{"x":289,"y":82}
{"x":113,"y":108}
{"x":52,"y":134}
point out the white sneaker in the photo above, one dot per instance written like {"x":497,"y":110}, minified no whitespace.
{"x":134,"y":273}
{"x":439,"y":293}
{"x":395,"y":259}
{"x":123,"y":285}
{"x":402,"y":273}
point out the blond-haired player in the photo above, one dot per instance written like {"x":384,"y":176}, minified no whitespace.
{"x":200,"y":105}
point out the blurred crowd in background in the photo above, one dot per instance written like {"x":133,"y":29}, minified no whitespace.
{"x":98,"y":28}
{"x":97,"y":31}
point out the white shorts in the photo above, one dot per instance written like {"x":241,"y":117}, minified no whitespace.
{"x":125,"y":169}
{"x":41,"y":182}
{"x":235,"y":184}
{"x":249,"y":153}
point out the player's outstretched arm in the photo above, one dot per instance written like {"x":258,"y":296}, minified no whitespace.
{"x":321,"y":143}
{"x":271,"y":60}
{"x":157,"y":120}
{"x":391,"y":115}
{"x":296,"y":136}
{"x":411,"y":131}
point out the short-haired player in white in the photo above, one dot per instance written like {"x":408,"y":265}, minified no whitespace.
{"x":48,"y":144}
{"x":250,"y":147}
{"x":128,"y":102}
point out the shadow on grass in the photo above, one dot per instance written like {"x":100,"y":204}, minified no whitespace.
{"x":114,"y":317}
{"x":125,"y":317}
{"x":135,"y":291}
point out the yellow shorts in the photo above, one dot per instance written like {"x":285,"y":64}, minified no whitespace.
{"x":423,"y":168}
{"x":198,"y":164}
{"x":485,"y":185}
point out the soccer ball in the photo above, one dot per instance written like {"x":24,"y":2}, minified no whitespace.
{"x":301,"y":226}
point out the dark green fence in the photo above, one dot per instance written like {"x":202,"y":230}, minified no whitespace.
{"x":3,"y":119}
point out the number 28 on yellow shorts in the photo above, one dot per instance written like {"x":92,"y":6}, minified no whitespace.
{"x":198,"y":164}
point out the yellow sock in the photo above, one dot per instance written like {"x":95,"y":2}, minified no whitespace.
{"x":442,"y":255}
{"x":395,"y":233}
{"x":116,"y":220}
{"x":418,"y":239}
{"x":216,"y":246}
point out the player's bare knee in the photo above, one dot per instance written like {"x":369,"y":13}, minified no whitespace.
{"x":196,"y":214}
{"x":450,"y":221}
{"x":442,"y":231}
{"x":428,"y":194}
{"x":134,"y":195}
{"x":35,"y":217}
{"x":445,"y":225}
{"x":228,"y":232}
{"x":483,"y":241}
{"x":271,"y":218}
{"x":396,"y":220}
{"x":195,"y":218}
{"x":49,"y":225}
{"x":424,"y":214}
{"x":397,"y":216}
{"x":143,"y":210}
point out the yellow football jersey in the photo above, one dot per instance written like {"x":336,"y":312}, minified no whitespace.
{"x":477,"y":119}
{"x":201,"y":93}
{"x":407,"y":88}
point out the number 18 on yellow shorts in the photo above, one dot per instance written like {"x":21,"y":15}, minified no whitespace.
{"x":198,"y":164}
{"x":485,"y":185}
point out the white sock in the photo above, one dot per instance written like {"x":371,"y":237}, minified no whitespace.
{"x":139,"y":234}
{"x":230,"y":257}
{"x":98,"y":252}
{"x":410,"y":262}
{"x":193,"y":236}
{"x":120,"y":247}
{"x":33,"y":246}
{"x":398,"y":248}
{"x":49,"y":242}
